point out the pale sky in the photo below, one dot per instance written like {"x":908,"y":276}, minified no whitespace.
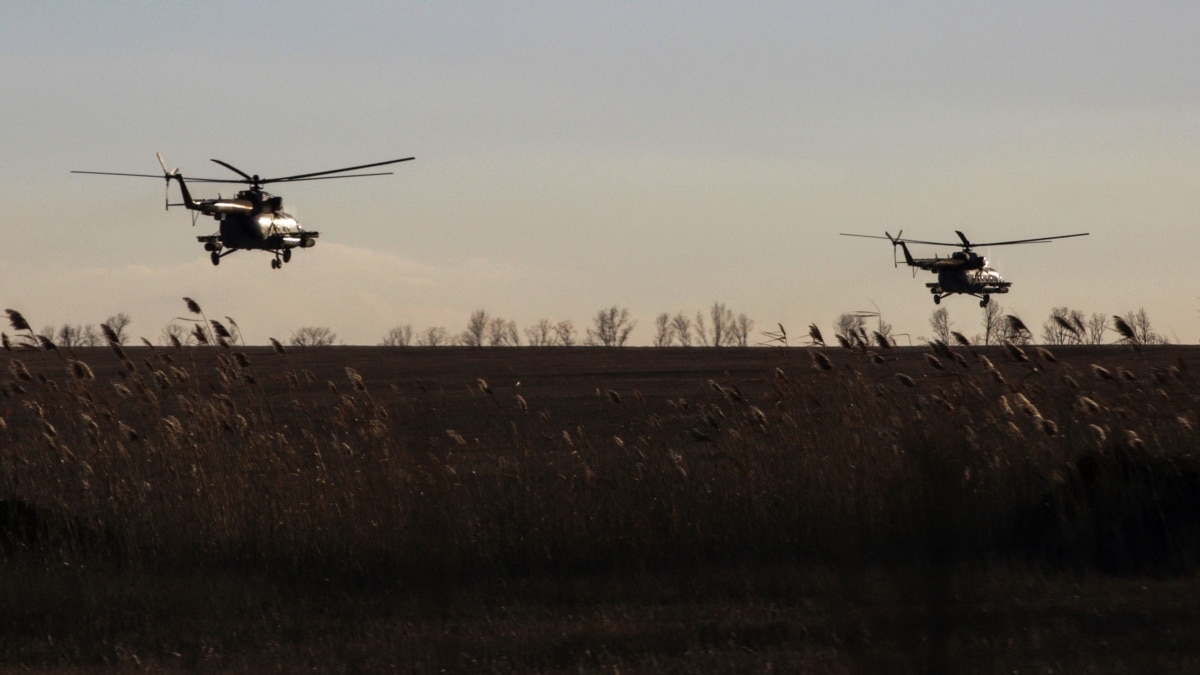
{"x":572,"y":156}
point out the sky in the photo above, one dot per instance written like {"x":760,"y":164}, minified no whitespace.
{"x":573,"y":156}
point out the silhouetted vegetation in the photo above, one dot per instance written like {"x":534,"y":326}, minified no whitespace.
{"x":913,"y":493}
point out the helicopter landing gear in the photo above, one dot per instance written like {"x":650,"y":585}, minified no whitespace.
{"x":216,"y":258}
{"x":937,"y":299}
{"x":986,"y":299}
{"x":281,"y":257}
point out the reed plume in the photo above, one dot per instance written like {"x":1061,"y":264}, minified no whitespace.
{"x":1128,"y":334}
{"x":17,"y":320}
{"x":1016,"y":326}
{"x":1069,"y":327}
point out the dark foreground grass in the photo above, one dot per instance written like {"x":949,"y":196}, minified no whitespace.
{"x":599,"y":510}
{"x":737,"y":618}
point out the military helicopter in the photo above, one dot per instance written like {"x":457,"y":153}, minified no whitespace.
{"x":964,"y":271}
{"x":254,"y":219}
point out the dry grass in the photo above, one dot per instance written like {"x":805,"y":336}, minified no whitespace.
{"x":776,"y":506}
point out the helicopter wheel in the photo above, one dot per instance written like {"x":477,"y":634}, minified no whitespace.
{"x":985,"y":300}
{"x":216,"y":258}
{"x":287,"y":255}
{"x":275,"y":264}
{"x":937,"y":299}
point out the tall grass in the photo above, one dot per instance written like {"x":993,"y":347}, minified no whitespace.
{"x":248,"y":460}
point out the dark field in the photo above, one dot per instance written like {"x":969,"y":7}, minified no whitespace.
{"x":587,"y":509}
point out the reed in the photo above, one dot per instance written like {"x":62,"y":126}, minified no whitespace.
{"x":333,"y":474}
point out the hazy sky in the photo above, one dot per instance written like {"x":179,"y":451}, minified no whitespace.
{"x":573,"y":156}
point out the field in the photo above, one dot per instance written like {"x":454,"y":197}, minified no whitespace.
{"x":589,"y":509}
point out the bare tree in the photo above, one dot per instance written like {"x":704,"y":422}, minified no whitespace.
{"x":940,"y":323}
{"x":176,"y":331}
{"x":721,"y":331}
{"x":1096,"y":327}
{"x":564,"y":333}
{"x":612,"y":327}
{"x":742,"y":327}
{"x":663,"y":333}
{"x":70,"y":335}
{"x":1064,"y":327}
{"x":119,"y":325}
{"x":502,"y":333}
{"x":476,"y":330}
{"x":435,"y":336}
{"x":701,"y":330}
{"x":91,"y":336}
{"x":848,"y":325}
{"x":994,"y":325}
{"x":313,"y":336}
{"x":398,"y":336}
{"x":681,"y":328}
{"x":540,"y":334}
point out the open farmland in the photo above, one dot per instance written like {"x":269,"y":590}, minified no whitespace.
{"x":597,"y":509}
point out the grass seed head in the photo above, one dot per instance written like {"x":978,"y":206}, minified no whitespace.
{"x":821,"y":362}
{"x":19,"y":371}
{"x":1005,"y":407}
{"x":1016,"y":352}
{"x":81,"y":371}
{"x":1048,"y":427}
{"x":1133,"y":441}
{"x":355,"y":379}
{"x":1026,"y":406}
{"x":17,"y":320}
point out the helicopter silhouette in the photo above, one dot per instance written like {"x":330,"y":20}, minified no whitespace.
{"x":964,"y":271}
{"x":254,"y":219}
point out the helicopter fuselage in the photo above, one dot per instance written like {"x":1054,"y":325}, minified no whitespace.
{"x":255,"y":220}
{"x":266,"y":231}
{"x":983,"y":280}
{"x":980,"y":282}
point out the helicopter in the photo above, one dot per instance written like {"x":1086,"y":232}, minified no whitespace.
{"x":963,"y":271}
{"x":254,"y":219}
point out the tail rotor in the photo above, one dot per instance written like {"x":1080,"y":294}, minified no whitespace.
{"x":895,"y":242}
{"x":167,"y":176}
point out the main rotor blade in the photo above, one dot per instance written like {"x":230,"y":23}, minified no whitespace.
{"x":931,"y":243}
{"x":234,"y":169}
{"x":305,"y":176}
{"x":356,"y":175}
{"x":232,"y":181}
{"x":868,"y":236}
{"x":1036,"y":240}
{"x":114,"y":173}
